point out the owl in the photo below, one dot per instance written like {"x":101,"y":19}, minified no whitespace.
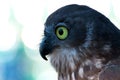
{"x":82,"y":44}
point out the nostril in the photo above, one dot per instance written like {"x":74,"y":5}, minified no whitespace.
{"x":45,"y":41}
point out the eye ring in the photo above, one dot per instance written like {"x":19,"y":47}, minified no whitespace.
{"x":61,"y":32}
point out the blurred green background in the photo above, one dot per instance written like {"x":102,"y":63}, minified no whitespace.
{"x":21,"y":30}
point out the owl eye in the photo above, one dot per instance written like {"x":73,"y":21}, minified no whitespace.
{"x":62,"y":32}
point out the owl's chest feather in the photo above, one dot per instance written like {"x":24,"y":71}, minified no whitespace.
{"x":72,"y":67}
{"x":90,"y":69}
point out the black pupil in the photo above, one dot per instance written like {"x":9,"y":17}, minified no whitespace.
{"x":60,"y":31}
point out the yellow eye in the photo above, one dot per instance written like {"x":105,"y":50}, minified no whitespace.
{"x":62,"y":32}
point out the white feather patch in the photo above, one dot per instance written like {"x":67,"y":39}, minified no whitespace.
{"x":81,"y":72}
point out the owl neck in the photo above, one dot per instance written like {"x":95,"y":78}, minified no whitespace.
{"x":76,"y":64}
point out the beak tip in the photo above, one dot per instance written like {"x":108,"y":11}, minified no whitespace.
{"x":44,"y":57}
{"x":44,"y":51}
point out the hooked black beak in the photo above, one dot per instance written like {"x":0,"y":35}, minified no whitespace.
{"x":45,"y":49}
{"x":43,"y":52}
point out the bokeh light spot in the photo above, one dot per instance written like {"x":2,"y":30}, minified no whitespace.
{"x":7,"y":37}
{"x":31,"y":37}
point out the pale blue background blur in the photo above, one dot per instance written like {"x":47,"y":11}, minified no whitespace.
{"x":21,"y":30}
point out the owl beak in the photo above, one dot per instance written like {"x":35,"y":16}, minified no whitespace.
{"x":45,"y":49}
{"x":43,"y":53}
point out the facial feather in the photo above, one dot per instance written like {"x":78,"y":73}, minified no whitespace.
{"x":91,"y":43}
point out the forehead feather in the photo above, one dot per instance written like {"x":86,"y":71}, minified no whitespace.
{"x":67,"y":11}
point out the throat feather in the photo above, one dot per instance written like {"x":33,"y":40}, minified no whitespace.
{"x":64,"y":60}
{"x":72,"y":64}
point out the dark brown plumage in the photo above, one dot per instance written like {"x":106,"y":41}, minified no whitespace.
{"x":82,"y":44}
